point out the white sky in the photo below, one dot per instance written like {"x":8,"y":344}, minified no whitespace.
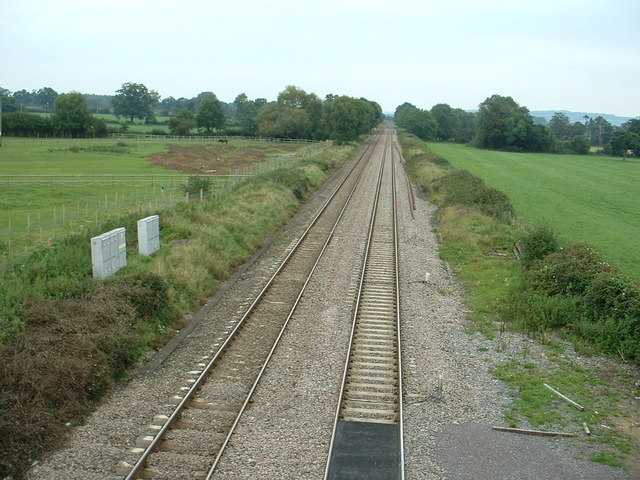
{"x":580,"y":55}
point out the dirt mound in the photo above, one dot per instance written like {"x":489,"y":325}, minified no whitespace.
{"x":215,"y":159}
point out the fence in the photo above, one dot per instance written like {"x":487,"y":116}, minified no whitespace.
{"x":25,"y":229}
{"x":116,"y":137}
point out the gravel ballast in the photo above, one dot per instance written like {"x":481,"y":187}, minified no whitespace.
{"x":285,"y":433}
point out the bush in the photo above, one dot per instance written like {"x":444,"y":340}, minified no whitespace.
{"x":613,"y":294}
{"x":195,"y":184}
{"x":606,"y":304}
{"x":146,"y":292}
{"x":462,"y":188}
{"x":294,"y":179}
{"x":538,"y":242}
{"x":539,"y":312}
{"x":569,"y":271}
{"x":63,"y":362}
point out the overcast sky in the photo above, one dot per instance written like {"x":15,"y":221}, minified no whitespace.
{"x":580,"y":55}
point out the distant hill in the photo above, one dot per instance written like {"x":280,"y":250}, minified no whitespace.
{"x":579,"y":116}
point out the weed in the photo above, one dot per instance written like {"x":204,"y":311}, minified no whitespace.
{"x":538,"y":242}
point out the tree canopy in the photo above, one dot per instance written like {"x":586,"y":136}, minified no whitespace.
{"x":417,"y":121}
{"x":182,"y":123}
{"x":210,"y":115}
{"x":624,"y":140}
{"x":70,"y":114}
{"x":298,"y":114}
{"x":505,"y":125}
{"x":134,"y":100}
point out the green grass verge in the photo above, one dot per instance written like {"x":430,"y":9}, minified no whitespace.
{"x":603,"y":392}
{"x":585,"y":198}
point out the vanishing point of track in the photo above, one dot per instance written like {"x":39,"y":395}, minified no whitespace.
{"x":367,"y":440}
{"x":190,"y":442}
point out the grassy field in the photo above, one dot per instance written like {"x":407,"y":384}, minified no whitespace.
{"x":593,"y":199}
{"x":109,"y":177}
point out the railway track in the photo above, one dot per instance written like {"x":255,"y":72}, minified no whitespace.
{"x":190,"y":442}
{"x":367,"y":437}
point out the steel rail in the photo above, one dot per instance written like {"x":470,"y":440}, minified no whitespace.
{"x":372,"y":224}
{"x":399,"y":338}
{"x":284,"y":327}
{"x":158,"y":438}
{"x":355,"y":311}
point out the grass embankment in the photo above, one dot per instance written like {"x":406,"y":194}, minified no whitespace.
{"x":555,"y":291}
{"x":67,"y":338}
{"x":586,"y":198}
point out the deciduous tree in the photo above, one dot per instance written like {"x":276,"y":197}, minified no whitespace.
{"x":623,"y":141}
{"x":447,"y":120}
{"x":182,"y":123}
{"x":560,"y":126}
{"x":134,"y":100}
{"x":419,"y":122}
{"x":71,"y":115}
{"x":210,"y":115}
{"x":503,"y":124}
{"x":246,"y":112}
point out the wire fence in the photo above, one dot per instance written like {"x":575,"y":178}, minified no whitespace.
{"x":141,"y":137}
{"x":25,"y":229}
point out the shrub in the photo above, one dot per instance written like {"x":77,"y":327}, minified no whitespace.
{"x":568,"y":271}
{"x":537,"y":242}
{"x":195,"y":184}
{"x":145,"y":291}
{"x":538,"y":312}
{"x":63,"y":362}
{"x":462,"y":188}
{"x":613,"y":294}
{"x":294,"y":179}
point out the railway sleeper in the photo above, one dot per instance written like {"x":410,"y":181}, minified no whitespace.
{"x":374,"y":357}
{"x":367,"y":377}
{"x":177,"y":466}
{"x":378,"y":365}
{"x":373,"y":373}
{"x":364,"y":394}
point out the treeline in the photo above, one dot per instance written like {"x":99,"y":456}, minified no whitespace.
{"x":70,"y":117}
{"x":502,"y":124}
{"x":295,"y":114}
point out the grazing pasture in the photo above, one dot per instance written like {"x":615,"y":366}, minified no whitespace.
{"x":585,"y":198}
{"x":51,"y":187}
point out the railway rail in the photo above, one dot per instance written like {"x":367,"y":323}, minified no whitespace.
{"x":367,"y":439}
{"x":220,"y":388}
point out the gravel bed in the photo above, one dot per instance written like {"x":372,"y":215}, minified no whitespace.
{"x":285,"y":433}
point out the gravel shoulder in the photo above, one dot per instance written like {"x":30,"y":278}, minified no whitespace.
{"x":286,"y":431}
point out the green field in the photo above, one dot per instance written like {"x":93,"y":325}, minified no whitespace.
{"x":592,"y":199}
{"x":104,"y":177}
{"x":37,"y":208}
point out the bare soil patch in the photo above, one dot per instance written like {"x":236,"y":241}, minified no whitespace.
{"x":215,"y":159}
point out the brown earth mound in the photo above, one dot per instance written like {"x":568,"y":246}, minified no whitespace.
{"x":215,"y":159}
